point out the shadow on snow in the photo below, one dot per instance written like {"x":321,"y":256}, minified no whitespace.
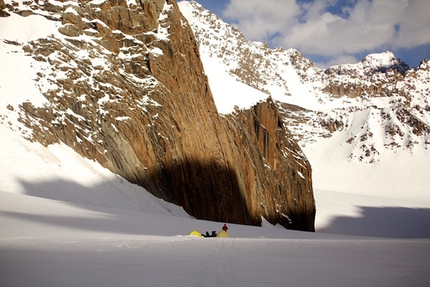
{"x":385,"y":222}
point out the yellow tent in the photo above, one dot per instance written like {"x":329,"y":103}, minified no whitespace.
{"x":222,"y":233}
{"x":196,"y":233}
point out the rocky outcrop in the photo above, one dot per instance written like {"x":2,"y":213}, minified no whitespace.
{"x":376,"y":75}
{"x":128,"y":89}
{"x":264,"y":141}
{"x":3,"y":13}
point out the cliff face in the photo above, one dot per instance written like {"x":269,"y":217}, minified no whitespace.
{"x":275,"y":172}
{"x":124,"y":85}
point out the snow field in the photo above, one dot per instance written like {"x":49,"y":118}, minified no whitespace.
{"x":53,"y":243}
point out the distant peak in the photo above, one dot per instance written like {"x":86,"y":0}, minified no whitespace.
{"x":384,"y":61}
{"x":424,"y":65}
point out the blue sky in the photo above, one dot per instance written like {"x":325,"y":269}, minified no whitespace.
{"x":333,"y":32}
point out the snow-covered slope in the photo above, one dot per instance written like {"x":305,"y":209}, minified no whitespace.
{"x":378,"y":104}
{"x":54,"y":172}
{"x":57,"y":172}
{"x":224,"y":48}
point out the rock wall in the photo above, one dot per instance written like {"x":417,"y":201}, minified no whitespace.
{"x":276,"y":174}
{"x":130,"y":92}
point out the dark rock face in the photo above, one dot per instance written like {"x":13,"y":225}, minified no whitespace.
{"x":135,"y":98}
{"x":276,"y":174}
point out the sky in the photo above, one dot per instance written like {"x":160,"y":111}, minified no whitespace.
{"x":331,"y":32}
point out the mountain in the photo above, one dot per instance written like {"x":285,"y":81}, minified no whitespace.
{"x":122,"y":83}
{"x":69,"y":221}
{"x":378,"y":104}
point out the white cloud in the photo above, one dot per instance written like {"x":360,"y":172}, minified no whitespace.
{"x":260,"y":20}
{"x":342,"y":59}
{"x":311,"y":28}
{"x":414,"y":30}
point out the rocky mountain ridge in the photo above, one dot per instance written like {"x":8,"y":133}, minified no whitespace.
{"x":122,"y":83}
{"x":377,"y":104}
